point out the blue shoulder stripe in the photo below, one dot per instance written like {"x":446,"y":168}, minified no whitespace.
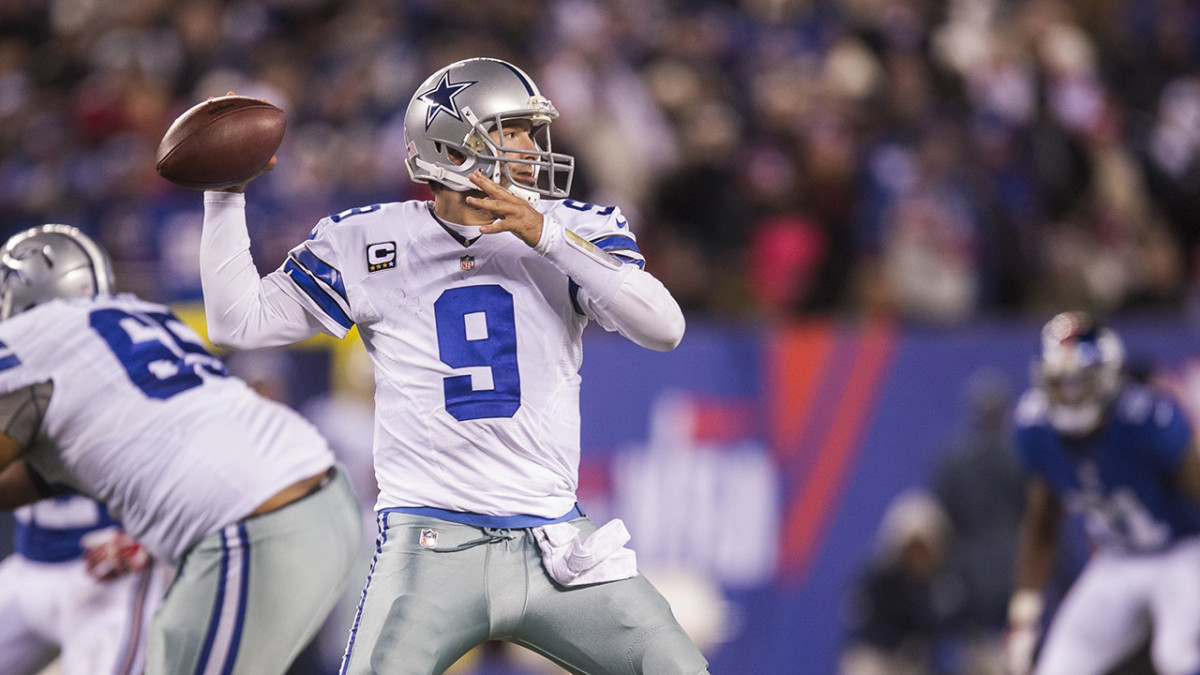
{"x":320,"y":269}
{"x":617,"y":242}
{"x":640,"y":262}
{"x":8,"y":359}
{"x":315,"y":291}
{"x":573,"y":290}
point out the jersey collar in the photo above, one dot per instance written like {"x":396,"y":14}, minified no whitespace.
{"x":463,"y":234}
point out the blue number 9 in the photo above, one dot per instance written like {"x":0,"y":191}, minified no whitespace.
{"x":476,"y":328}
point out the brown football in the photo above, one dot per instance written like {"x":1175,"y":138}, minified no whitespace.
{"x":220,"y":142}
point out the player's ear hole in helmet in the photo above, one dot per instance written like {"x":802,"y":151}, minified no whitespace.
{"x":455,"y":124}
{"x":1079,"y":370}
{"x":48,"y":262}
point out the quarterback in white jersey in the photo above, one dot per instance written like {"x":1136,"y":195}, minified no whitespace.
{"x":450,"y":317}
{"x":472,"y":308}
{"x":116,"y":398}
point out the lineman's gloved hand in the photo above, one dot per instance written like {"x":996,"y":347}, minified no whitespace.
{"x":110,"y":553}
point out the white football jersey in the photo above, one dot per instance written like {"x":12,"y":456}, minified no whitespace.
{"x":477,"y":349}
{"x":144,"y":419}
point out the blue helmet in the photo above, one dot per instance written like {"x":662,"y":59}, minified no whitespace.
{"x":1079,"y":370}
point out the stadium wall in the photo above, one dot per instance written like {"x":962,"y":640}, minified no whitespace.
{"x":752,"y":465}
{"x":761,"y":459}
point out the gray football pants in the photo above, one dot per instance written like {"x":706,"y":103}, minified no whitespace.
{"x":248,"y":598}
{"x":423,"y":609}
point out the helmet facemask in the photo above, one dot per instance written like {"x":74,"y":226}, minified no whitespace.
{"x":540,"y":172}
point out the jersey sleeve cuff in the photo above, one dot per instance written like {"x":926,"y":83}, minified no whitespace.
{"x":551,"y":234}
{"x":217,"y":198}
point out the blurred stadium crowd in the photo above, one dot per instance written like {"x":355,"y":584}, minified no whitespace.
{"x":936,"y":160}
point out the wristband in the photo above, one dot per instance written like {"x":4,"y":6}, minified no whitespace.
{"x":1025,"y":608}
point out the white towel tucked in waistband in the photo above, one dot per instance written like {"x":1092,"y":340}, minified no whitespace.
{"x":602,"y":557}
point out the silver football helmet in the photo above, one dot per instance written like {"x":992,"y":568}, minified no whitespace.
{"x":1079,"y":370}
{"x":447,"y":125}
{"x":48,"y":262}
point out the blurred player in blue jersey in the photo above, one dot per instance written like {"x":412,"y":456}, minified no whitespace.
{"x":472,"y":308}
{"x":76,"y":588}
{"x":116,"y":398}
{"x":1120,"y":454}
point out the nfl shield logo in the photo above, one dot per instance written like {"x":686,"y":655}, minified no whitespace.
{"x":429,"y":538}
{"x":466,"y":262}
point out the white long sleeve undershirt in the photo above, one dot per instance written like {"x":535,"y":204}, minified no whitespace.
{"x":618,"y":296}
{"x":244,"y":310}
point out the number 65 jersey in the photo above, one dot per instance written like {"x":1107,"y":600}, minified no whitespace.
{"x":476,"y":342}
{"x":144,"y":419}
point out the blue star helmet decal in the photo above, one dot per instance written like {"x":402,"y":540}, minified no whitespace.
{"x":441,"y":99}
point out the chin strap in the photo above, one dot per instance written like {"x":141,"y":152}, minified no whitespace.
{"x":524,"y":193}
{"x":439,"y":174}
{"x":459,"y":183}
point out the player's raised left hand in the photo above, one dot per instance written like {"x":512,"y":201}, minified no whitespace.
{"x":512,"y":213}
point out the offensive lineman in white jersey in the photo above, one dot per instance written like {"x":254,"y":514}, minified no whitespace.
{"x":472,"y":308}
{"x":116,"y":398}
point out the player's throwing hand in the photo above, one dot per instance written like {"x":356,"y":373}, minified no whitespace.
{"x":513,"y":214}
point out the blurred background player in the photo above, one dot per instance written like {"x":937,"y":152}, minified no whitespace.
{"x":1121,"y":454}
{"x":981,"y":486}
{"x":116,"y":398}
{"x":77,"y":588}
{"x":476,"y":341}
{"x":900,"y":606}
